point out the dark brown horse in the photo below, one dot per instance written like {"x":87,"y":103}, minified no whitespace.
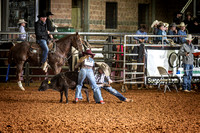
{"x":21,"y":52}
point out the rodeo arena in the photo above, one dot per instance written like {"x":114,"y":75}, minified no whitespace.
{"x":122,"y":65}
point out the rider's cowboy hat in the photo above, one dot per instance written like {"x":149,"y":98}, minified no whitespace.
{"x":21,"y":21}
{"x":104,"y":67}
{"x":42,"y":15}
{"x":49,"y":13}
{"x":189,"y":37}
{"x":88,"y":52}
{"x":182,"y":24}
{"x":156,"y":22}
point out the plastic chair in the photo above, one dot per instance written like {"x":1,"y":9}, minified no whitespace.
{"x":163,"y":72}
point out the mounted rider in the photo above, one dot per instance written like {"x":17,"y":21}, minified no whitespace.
{"x":42,"y":36}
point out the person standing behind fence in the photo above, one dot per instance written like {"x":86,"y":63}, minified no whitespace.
{"x":178,"y":18}
{"x":141,"y":31}
{"x":186,"y":52}
{"x":173,"y":31}
{"x":155,"y":29}
{"x":50,"y":23}
{"x":182,"y":32}
{"x":161,"y":31}
{"x":22,"y":24}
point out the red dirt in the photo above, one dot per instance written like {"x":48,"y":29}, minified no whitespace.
{"x":151,"y":111}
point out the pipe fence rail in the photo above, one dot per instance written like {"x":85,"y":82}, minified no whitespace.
{"x":116,"y":58}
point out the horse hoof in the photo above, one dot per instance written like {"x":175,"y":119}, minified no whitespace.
{"x":22,"y":89}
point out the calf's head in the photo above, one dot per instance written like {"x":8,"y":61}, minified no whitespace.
{"x":44,"y":85}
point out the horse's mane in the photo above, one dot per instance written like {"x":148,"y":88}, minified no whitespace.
{"x":64,"y":38}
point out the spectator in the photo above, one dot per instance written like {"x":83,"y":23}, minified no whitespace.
{"x":50,"y":24}
{"x":22,"y":23}
{"x":182,"y":31}
{"x":188,"y":21}
{"x":166,"y":26}
{"x":161,"y":31}
{"x":141,"y":31}
{"x":186,"y":51}
{"x":155,"y":27}
{"x":173,"y":31}
{"x":178,"y":18}
{"x":196,"y":26}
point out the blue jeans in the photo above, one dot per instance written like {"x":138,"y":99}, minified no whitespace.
{"x":187,"y":77}
{"x":84,"y":72}
{"x":45,"y":49}
{"x":115,"y":93}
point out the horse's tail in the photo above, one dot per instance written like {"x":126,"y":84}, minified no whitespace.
{"x":10,"y":56}
{"x":9,"y":62}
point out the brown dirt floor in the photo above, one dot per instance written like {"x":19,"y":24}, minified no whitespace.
{"x":151,"y":111}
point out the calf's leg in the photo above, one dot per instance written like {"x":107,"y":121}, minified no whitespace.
{"x":61,"y":96}
{"x":87,"y":93}
{"x":66,"y":93}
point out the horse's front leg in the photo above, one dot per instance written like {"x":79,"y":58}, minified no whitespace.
{"x":19,"y":74}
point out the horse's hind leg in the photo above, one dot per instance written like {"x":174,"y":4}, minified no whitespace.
{"x":19,"y":74}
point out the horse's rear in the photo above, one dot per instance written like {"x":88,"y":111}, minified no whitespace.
{"x":18,"y":54}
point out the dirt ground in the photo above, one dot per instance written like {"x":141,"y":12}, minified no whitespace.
{"x":151,"y":111}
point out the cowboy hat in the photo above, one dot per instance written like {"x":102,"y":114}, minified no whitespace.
{"x":21,"y":21}
{"x":154,"y":23}
{"x":172,"y":25}
{"x":42,"y":15}
{"x":189,"y":37}
{"x":166,"y":25}
{"x":182,"y":24}
{"x":104,"y":67}
{"x":88,"y":52}
{"x":49,"y":13}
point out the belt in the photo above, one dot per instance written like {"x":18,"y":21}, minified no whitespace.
{"x":88,"y":67}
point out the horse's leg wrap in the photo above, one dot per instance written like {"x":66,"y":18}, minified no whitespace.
{"x":20,"y":85}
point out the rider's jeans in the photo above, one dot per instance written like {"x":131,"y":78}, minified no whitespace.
{"x":45,"y":49}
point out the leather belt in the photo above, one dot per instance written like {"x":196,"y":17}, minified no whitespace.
{"x":88,"y":67}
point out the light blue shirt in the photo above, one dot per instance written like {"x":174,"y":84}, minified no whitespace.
{"x":22,"y":30}
{"x":182,"y":39}
{"x":141,"y":33}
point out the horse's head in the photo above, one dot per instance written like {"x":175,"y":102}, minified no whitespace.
{"x":77,"y":42}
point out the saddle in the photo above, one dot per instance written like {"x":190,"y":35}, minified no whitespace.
{"x":35,"y":47}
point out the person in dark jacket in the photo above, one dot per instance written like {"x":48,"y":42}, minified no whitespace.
{"x":173,"y":31}
{"x":42,"y":36}
{"x":178,"y":18}
{"x":50,"y":24}
{"x":189,"y":22}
